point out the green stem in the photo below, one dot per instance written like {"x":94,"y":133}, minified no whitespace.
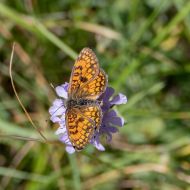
{"x":75,"y":171}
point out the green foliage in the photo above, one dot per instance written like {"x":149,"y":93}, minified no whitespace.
{"x":144,"y":48}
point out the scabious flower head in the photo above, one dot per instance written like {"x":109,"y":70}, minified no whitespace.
{"x":110,"y":119}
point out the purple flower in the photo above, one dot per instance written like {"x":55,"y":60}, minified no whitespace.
{"x":109,"y":122}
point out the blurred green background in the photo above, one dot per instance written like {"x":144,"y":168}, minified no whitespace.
{"x":144,"y":48}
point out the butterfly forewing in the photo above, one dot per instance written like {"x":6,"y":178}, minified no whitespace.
{"x":85,"y":69}
{"x":92,"y":112}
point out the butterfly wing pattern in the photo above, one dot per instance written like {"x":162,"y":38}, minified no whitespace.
{"x":85,"y":69}
{"x":87,"y":82}
{"x":81,"y":124}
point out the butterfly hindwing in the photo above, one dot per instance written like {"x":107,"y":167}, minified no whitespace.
{"x":93,"y":89}
{"x":80,"y":128}
{"x":81,"y":124}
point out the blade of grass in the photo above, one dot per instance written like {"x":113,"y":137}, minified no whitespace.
{"x":55,"y":40}
{"x":139,"y":96}
{"x":122,"y":77}
{"x":20,"y":19}
{"x":75,"y":171}
{"x":16,"y":160}
{"x":23,"y":175}
{"x":173,"y":23}
{"x":164,"y":114}
{"x":13,"y":129}
{"x":33,"y":25}
{"x":10,"y":129}
{"x":39,"y":166}
{"x":147,"y":23}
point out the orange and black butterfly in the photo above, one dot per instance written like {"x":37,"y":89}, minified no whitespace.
{"x":83,"y":114}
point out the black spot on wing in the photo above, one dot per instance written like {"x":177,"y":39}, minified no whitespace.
{"x":83,"y":79}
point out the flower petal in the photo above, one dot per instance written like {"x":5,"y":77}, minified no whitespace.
{"x":105,"y":98}
{"x":70,"y":149}
{"x":108,"y":93}
{"x":112,"y":129}
{"x":99,"y":146}
{"x":111,"y":113}
{"x":58,"y":102}
{"x":96,"y":142}
{"x":64,"y":138}
{"x":119,"y":99}
{"x":118,"y":121}
{"x":62,"y":91}
{"x":62,"y":124}
{"x":55,"y":119}
{"x":57,"y":111}
{"x":60,"y":130}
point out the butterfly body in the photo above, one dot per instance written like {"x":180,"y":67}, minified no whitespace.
{"x":80,"y":102}
{"x":83,"y":112}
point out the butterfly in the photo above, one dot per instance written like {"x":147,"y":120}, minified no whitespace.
{"x":83,"y":112}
